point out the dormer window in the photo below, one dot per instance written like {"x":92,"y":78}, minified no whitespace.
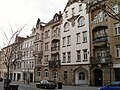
{"x":115,"y":9}
{"x":73,"y":11}
{"x":66,"y":14}
{"x":80,"y":7}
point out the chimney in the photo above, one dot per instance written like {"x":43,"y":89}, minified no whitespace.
{"x":59,"y":12}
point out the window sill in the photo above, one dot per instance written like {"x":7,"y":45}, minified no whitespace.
{"x":68,"y":45}
{"x":78,"y":43}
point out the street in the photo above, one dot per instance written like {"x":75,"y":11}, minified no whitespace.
{"x":32,"y":86}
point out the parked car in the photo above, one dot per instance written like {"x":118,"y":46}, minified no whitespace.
{"x":47,"y":84}
{"x":112,"y":86}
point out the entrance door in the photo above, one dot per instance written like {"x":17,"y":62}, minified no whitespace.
{"x":98,"y":78}
{"x":117,"y":74}
{"x":31,"y":77}
{"x":81,"y":78}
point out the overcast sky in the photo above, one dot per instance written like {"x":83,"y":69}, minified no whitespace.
{"x":20,"y":12}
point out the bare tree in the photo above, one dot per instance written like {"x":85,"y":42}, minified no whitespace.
{"x":110,"y":7}
{"x":9,"y":53}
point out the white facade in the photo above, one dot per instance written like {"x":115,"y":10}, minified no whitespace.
{"x":75,"y":39}
{"x":28,"y":61}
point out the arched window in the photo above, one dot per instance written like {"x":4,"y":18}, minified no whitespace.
{"x":81,"y":21}
{"x":46,"y":73}
{"x":66,"y":26}
{"x":81,"y":76}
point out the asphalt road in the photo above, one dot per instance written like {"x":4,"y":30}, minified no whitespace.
{"x":32,"y":86}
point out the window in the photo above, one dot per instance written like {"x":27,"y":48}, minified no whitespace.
{"x":46,"y":46}
{"x":73,"y":11}
{"x":85,"y":56}
{"x":81,"y":76}
{"x":78,"y":56}
{"x":46,"y":58}
{"x":64,"y":57}
{"x":81,"y":21}
{"x":47,"y":34}
{"x":66,"y":26}
{"x":65,"y":75}
{"x":85,"y":36}
{"x":36,"y":47}
{"x":117,"y":28}
{"x":38,"y":73}
{"x":46,"y":73}
{"x":68,"y":40}
{"x":80,"y":7}
{"x":69,"y":57}
{"x":37,"y":36}
{"x":55,"y":74}
{"x":115,"y":9}
{"x":78,"y":38}
{"x":64,"y":41}
{"x":66,"y":14}
{"x":118,"y":51}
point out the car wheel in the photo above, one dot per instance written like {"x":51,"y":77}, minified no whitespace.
{"x":37,"y":86}
{"x":45,"y":87}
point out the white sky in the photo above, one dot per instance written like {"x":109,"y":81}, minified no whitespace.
{"x":20,"y":12}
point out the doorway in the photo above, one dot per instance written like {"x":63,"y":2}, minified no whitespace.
{"x":98,"y":77}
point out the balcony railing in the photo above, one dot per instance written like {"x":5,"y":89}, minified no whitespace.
{"x":38,"y":52}
{"x":101,"y":60}
{"x":55,"y":35}
{"x":100,"y":39}
{"x":54,"y":63}
{"x":56,"y":48}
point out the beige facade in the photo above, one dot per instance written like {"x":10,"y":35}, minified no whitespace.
{"x":104,"y":44}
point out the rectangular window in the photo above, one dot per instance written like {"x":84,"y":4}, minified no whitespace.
{"x":118,"y":51}
{"x":66,"y":14}
{"x":85,"y":36}
{"x":78,"y":38}
{"x":46,"y":46}
{"x":64,"y":41}
{"x":46,"y":58}
{"x":69,"y":57}
{"x":85,"y":56}
{"x":78,"y":56}
{"x":73,"y":11}
{"x":64,"y":57}
{"x":80,"y":7}
{"x":38,"y":73}
{"x":117,"y":28}
{"x":68,"y":40}
{"x":65,"y":75}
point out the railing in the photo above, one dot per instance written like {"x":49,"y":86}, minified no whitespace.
{"x":55,"y":35}
{"x":56,"y":48}
{"x":38,"y":64}
{"x":100,"y":39}
{"x":54,"y":63}
{"x":100,"y":60}
{"x":38,"y":52}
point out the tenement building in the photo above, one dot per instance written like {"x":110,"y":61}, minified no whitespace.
{"x":75,"y":45}
{"x":105,"y":42}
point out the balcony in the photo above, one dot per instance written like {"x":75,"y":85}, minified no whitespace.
{"x":56,"y":36}
{"x":100,"y":40}
{"x":99,"y":22}
{"x":54,"y":63}
{"x":101,"y":60}
{"x":56,"y":48}
{"x":38,"y":53}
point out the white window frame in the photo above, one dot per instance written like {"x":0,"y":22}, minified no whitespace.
{"x":78,"y":38}
{"x":117,"y":28}
{"x":85,"y":36}
{"x":68,"y":40}
{"x":118,"y":51}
